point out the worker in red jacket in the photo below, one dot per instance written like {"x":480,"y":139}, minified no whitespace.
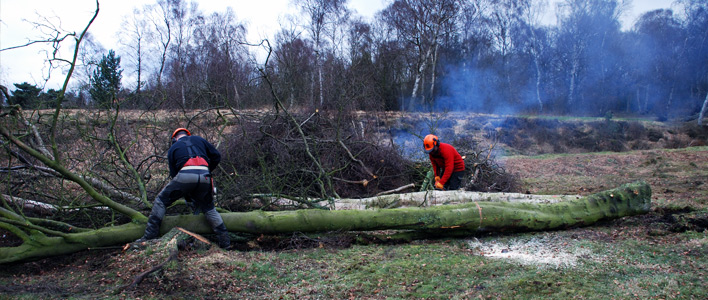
{"x":447,"y":163}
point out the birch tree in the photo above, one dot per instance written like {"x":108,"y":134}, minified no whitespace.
{"x":185,"y":16}
{"x":159,"y":17}
{"x":696,"y":25}
{"x":136,"y":27}
{"x":536,"y":43}
{"x":217,"y":62}
{"x":323,"y":18}
{"x":586,"y":30}
{"x":422,"y":24}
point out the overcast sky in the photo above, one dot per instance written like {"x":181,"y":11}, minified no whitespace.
{"x":262,"y":17}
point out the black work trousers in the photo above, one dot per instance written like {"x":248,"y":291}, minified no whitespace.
{"x":454,"y":182}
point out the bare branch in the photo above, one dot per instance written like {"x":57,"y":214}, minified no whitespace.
{"x":396,"y":190}
{"x":60,"y":97}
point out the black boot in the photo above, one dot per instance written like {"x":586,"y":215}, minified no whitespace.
{"x":152,"y":230}
{"x":222,"y":236}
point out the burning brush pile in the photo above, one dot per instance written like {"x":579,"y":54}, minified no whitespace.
{"x":483,"y":172}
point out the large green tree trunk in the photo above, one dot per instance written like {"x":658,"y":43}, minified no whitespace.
{"x":627,"y":200}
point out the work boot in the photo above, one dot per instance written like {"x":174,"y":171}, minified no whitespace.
{"x":222,"y":236}
{"x":152,"y":229}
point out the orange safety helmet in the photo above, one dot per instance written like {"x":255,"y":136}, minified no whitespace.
{"x":430,"y":142}
{"x":174,"y":134}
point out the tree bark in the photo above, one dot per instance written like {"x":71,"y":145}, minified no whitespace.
{"x":703,"y":111}
{"x":627,"y":200}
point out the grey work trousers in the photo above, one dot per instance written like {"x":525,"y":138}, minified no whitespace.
{"x":193,"y":184}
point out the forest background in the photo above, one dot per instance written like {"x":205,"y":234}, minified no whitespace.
{"x":481,"y":56}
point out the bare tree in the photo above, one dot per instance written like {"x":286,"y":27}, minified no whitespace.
{"x":702,"y":113}
{"x":294,"y":66}
{"x":323,"y":17}
{"x":659,"y":32}
{"x":696,"y":22}
{"x":138,"y":32}
{"x":422,"y":24}
{"x":361,"y":86}
{"x":184,"y":15}
{"x":586,"y":30}
{"x":502,"y":20}
{"x":217,"y":65}
{"x":159,"y":16}
{"x":530,"y":15}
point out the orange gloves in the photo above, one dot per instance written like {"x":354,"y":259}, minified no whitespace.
{"x":437,"y":178}
{"x":439,"y":185}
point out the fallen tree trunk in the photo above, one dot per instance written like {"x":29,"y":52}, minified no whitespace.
{"x":627,"y":200}
{"x":420,"y":199}
{"x":435,"y":197}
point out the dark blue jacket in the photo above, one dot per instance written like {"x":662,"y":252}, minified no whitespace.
{"x":188,"y":147}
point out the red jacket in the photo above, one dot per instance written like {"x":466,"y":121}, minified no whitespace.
{"x":446,"y":158}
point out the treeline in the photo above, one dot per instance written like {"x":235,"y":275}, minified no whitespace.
{"x":479,"y":55}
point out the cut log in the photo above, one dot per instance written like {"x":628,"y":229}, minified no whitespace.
{"x":436,"y":197}
{"x":627,"y":200}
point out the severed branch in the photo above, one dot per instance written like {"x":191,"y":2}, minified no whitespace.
{"x":363,"y":182}
{"x":281,"y":199}
{"x":99,"y":184}
{"x":31,"y":205}
{"x":37,"y":140}
{"x":61,"y":169}
{"x":396,"y":190}
{"x":5,"y":212}
{"x":124,"y":159}
{"x":310,"y":117}
{"x":484,"y":174}
{"x":355,"y":159}
{"x":45,"y":208}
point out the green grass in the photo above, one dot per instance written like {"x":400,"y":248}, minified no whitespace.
{"x":624,"y":261}
{"x":689,"y":149}
{"x":450,"y":270}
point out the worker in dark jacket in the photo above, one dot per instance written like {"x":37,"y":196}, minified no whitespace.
{"x":191,"y":160}
{"x":448,"y":165}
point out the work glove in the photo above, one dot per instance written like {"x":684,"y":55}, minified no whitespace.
{"x":437,"y":178}
{"x":439,"y":185}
